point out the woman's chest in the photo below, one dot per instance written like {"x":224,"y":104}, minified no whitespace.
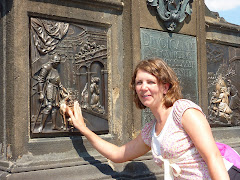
{"x":172,"y":142}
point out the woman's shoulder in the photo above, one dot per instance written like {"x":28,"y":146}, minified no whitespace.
{"x":181,"y":105}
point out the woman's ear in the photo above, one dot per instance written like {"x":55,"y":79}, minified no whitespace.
{"x":166,"y":87}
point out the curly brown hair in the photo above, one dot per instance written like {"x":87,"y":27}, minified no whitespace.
{"x":164,"y":74}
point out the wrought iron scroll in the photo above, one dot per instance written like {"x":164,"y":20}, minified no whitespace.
{"x":172,"y":12}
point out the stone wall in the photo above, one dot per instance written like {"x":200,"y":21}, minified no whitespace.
{"x":110,"y":33}
{"x":223,"y":54}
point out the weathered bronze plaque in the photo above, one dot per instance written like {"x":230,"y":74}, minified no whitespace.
{"x":223,"y":85}
{"x":68,"y":63}
{"x":180,"y":53}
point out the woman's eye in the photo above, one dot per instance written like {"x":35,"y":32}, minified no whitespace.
{"x":151,"y":82}
{"x":138,"y":83}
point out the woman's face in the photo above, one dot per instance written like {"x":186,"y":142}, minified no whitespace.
{"x":149,"y":91}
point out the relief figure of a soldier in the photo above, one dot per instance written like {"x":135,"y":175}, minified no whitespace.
{"x":49,"y":88}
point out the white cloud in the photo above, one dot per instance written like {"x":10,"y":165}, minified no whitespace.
{"x":222,"y":5}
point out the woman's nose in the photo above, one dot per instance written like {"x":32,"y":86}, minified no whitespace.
{"x":144,"y":86}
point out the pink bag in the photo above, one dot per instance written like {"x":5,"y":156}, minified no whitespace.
{"x":229,"y":154}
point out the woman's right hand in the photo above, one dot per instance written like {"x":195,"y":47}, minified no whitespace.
{"x":76,"y":116}
{"x":129,"y":151}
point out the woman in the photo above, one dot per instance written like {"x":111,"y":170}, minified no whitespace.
{"x":179,"y":136}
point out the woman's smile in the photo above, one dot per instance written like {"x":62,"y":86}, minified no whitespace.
{"x":146,"y":96}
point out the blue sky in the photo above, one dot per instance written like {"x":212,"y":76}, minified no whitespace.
{"x":228,"y":9}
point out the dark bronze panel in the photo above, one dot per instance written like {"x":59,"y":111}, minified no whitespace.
{"x":68,"y":62}
{"x":223,"y":85}
{"x":180,"y":53}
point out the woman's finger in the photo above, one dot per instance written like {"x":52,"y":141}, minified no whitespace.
{"x":70,"y":113}
{"x":77,"y":110}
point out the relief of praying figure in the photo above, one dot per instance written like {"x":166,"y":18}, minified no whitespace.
{"x":95,"y":95}
{"x":49,"y":87}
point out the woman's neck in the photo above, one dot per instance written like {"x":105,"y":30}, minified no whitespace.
{"x":161,"y":113}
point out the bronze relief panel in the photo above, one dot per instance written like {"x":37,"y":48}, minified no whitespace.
{"x":223,"y":85}
{"x":68,"y":62}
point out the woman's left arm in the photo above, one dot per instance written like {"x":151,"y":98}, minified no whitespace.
{"x":197,"y":127}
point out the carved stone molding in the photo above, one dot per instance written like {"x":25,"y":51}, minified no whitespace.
{"x":112,"y":4}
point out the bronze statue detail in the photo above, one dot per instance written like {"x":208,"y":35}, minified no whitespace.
{"x":95,"y":104}
{"x":223,"y":102}
{"x":47,"y":34}
{"x":223,"y":85}
{"x":172,"y":12}
{"x":67,"y":100}
{"x":95,"y":95}
{"x":49,"y":86}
